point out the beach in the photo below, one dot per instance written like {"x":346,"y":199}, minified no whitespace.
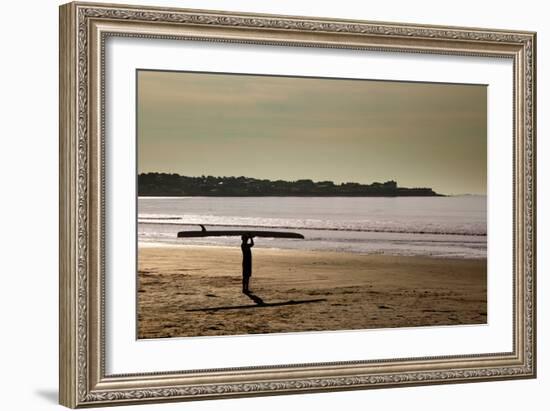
{"x":195,"y":290}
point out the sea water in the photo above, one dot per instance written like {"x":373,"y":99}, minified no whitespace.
{"x":454,"y":226}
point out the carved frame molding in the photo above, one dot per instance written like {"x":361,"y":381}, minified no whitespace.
{"x":84,"y":27}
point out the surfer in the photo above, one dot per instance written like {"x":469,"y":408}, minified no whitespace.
{"x":247,"y":260}
{"x":246,"y":246}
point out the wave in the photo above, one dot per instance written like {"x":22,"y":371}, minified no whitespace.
{"x":473,"y":229}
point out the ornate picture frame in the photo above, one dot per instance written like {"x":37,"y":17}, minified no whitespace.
{"x":84,"y":30}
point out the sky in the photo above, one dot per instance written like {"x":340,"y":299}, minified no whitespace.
{"x":290,"y":128}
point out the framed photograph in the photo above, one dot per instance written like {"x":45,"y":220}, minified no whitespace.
{"x":261,"y":204}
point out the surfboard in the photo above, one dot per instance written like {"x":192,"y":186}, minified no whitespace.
{"x":226,"y":233}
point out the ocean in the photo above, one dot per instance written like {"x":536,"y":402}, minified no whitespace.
{"x":445,"y":227}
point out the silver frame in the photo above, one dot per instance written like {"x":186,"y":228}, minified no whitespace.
{"x":84,"y":27}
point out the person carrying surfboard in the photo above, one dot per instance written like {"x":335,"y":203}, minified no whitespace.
{"x":246,"y":246}
{"x":247,"y":260}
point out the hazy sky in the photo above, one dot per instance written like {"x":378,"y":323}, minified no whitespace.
{"x":289,"y":128}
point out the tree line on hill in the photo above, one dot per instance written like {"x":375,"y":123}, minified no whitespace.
{"x":175,"y":185}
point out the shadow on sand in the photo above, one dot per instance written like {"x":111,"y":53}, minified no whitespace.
{"x":259,"y":303}
{"x":254,"y":298}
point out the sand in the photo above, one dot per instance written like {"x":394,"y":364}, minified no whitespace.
{"x":197,"y":290}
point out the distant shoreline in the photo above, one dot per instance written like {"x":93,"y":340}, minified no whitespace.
{"x":175,"y":185}
{"x":302,"y":196}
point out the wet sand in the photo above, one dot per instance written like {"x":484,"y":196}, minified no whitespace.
{"x":194,"y":290}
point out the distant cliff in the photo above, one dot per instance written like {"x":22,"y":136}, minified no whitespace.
{"x":174,"y":185}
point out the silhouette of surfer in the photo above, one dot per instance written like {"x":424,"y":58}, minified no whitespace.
{"x":246,"y":245}
{"x":247,"y":260}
